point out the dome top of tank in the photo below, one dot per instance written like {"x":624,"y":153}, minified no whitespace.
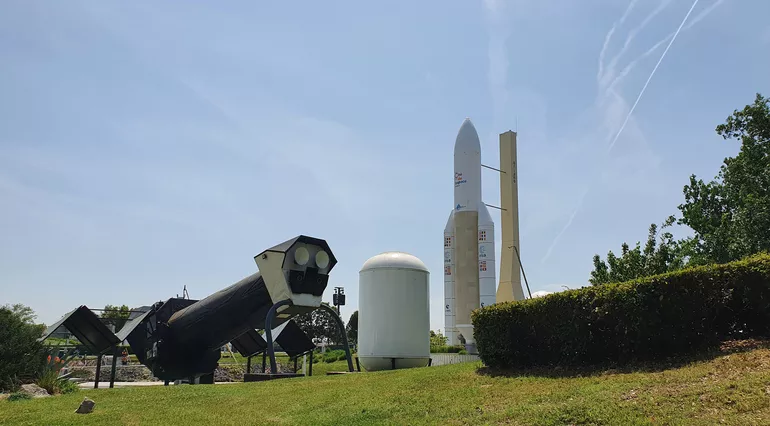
{"x":394,"y":260}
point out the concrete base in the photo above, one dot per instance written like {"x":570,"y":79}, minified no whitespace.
{"x":260,"y":377}
{"x":471,"y":348}
{"x":375,"y":363}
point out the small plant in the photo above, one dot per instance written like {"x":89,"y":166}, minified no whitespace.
{"x":18,"y":396}
{"x":52,"y":380}
{"x":332,"y":356}
{"x":67,"y":386}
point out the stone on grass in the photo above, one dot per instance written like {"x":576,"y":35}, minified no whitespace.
{"x":34,"y":390}
{"x":86,"y":406}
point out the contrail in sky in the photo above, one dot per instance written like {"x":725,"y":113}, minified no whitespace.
{"x":699,"y":17}
{"x":628,"y":116}
{"x":633,"y":33}
{"x":631,"y":111}
{"x":609,"y":36}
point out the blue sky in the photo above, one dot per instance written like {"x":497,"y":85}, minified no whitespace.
{"x":147,"y":146}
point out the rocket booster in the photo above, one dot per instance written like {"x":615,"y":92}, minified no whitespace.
{"x":469,"y":247}
{"x":467,"y":193}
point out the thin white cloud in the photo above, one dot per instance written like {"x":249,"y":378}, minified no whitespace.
{"x":613,"y":105}
{"x":699,"y":17}
{"x":497,"y":77}
{"x":631,"y":35}
{"x":608,"y":37}
{"x":641,"y":92}
{"x":566,"y":226}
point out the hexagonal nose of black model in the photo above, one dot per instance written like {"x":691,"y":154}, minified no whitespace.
{"x":297,"y":270}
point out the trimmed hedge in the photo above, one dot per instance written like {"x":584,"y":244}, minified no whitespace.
{"x":645,"y":319}
{"x":447,"y":349}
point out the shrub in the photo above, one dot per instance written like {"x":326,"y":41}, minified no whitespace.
{"x":51,"y":379}
{"x":68,"y":386}
{"x":646,"y":319}
{"x":18,"y":396}
{"x":332,"y":356}
{"x":21,"y":354}
{"x":446,"y":349}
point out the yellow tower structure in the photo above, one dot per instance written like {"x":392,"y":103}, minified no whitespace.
{"x":510,"y":276}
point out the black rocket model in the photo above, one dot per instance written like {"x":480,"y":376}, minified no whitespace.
{"x":182,"y":338}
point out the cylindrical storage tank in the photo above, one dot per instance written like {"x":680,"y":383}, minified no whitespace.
{"x":393,"y":312}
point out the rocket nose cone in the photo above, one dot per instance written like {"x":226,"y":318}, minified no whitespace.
{"x":467,"y":138}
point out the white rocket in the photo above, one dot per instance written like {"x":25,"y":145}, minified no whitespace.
{"x":469,"y":242}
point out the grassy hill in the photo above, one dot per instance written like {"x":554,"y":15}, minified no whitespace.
{"x":730,"y":386}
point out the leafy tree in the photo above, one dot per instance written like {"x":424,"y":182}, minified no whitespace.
{"x":731,"y":214}
{"x":21,"y":353}
{"x":117,"y":316}
{"x":319,"y":327}
{"x":654,"y":258}
{"x":23,"y":312}
{"x":352,"y":328}
{"x":437,"y":340}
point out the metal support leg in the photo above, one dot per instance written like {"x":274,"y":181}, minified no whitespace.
{"x":341,"y":326}
{"x":248,"y":365}
{"x":269,"y":333}
{"x":114,"y":366}
{"x":358,"y":365}
{"x":295,"y":364}
{"x":98,"y":370}
{"x":310,"y":370}
{"x":264,"y":361}
{"x":393,"y":363}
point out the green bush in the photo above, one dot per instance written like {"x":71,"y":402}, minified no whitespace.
{"x":446,"y":349}
{"x":22,"y":357}
{"x":332,"y":356}
{"x":52,"y":380}
{"x":646,"y":319}
{"x":68,"y":386}
{"x":19,"y":396}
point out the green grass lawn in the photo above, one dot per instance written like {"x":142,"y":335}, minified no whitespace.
{"x":731,"y":388}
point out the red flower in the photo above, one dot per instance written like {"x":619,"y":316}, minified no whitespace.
{"x":49,"y":358}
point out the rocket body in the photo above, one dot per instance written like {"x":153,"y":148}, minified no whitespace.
{"x":469,"y":247}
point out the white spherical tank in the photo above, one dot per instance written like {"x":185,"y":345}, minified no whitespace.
{"x":393,"y":312}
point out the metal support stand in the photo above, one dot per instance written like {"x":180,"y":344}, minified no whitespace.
{"x":341,"y":326}
{"x":248,"y":365}
{"x":310,"y":369}
{"x":98,"y":370}
{"x":269,"y":333}
{"x":114,"y":366}
{"x":430,"y":361}
{"x":522,"y":271}
{"x":165,"y":383}
{"x":264,"y":361}
{"x":358,"y":365}
{"x":295,"y":364}
{"x":392,"y":363}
